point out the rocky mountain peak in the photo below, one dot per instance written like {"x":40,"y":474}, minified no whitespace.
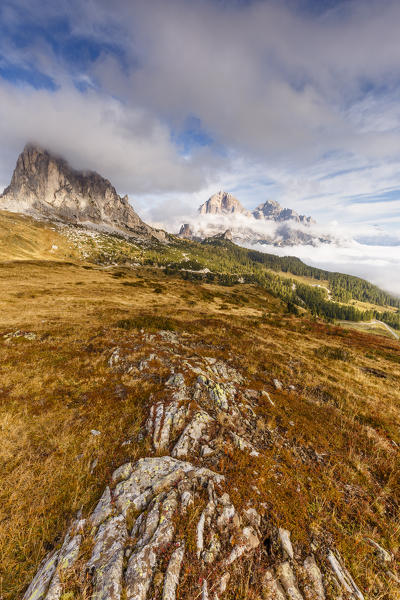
{"x":222,"y":203}
{"x":272,"y":210}
{"x":223,"y":236}
{"x":186,"y":231}
{"x":268,"y":209}
{"x":286,"y":232}
{"x":44,"y":184}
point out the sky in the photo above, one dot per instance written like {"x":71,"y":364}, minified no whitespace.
{"x":172,"y":100}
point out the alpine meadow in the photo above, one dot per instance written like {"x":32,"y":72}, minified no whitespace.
{"x":199,"y":389}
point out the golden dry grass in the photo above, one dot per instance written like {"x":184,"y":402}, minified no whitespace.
{"x":373,"y":328}
{"x":23,"y":238}
{"x":57,"y":387}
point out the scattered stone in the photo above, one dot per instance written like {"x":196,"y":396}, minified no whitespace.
{"x":152,"y":494}
{"x":216,"y":391}
{"x":141,"y":565}
{"x":252,"y":517}
{"x":288,"y":580}
{"x":251,"y":538}
{"x":206,"y":451}
{"x":176,"y":380}
{"x":344,"y":577}
{"x":126,"y":443}
{"x":107,"y":559}
{"x":204,"y":594}
{"x":249,"y":542}
{"x":213,"y":550}
{"x":103,"y":509}
{"x":278,"y":385}
{"x":123,"y":472}
{"x":383,"y":554}
{"x":223,"y":584}
{"x":200,"y":534}
{"x":114,"y":358}
{"x":271,"y":587}
{"x":27,"y":335}
{"x":40,"y":584}
{"x":265,"y":394}
{"x":169,"y":336}
{"x":284,"y":537}
{"x":67,"y":557}
{"x":172,"y":574}
{"x":393,"y":577}
{"x":243,"y":444}
{"x":192,"y":433}
{"x":315,"y":576}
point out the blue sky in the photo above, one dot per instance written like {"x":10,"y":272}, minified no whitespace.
{"x":293,"y":100}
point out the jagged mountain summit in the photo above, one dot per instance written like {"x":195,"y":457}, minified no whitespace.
{"x":186,"y":232}
{"x":222,"y":203}
{"x":46,"y":185}
{"x":268,"y":224}
{"x":273,"y":210}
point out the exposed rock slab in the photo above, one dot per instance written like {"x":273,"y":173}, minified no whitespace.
{"x":45,"y":184}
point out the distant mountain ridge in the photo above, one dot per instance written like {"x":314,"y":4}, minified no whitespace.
{"x":46,"y":185}
{"x":274,"y":211}
{"x":223,"y":211}
{"x":224,"y":203}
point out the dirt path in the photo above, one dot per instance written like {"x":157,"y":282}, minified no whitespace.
{"x":376,"y":322}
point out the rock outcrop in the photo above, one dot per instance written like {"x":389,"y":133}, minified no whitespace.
{"x":167,"y":525}
{"x":45,"y":185}
{"x":222,"y":203}
{"x":186,"y":232}
{"x":273,"y":211}
{"x":224,"y":236}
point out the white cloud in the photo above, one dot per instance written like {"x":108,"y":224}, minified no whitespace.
{"x":129,"y":145}
{"x":303,"y":109}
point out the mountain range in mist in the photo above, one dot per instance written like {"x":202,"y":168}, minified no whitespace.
{"x":269,"y":223}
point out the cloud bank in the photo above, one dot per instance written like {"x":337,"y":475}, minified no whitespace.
{"x":292,"y":100}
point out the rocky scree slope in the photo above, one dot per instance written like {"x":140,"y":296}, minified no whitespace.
{"x":166,"y":526}
{"x":45,"y":185}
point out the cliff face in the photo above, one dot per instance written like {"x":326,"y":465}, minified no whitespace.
{"x":268,"y":224}
{"x":222,"y":203}
{"x":272,"y":210}
{"x":46,"y":185}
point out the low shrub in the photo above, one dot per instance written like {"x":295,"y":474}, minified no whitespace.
{"x":333,"y":353}
{"x":147,"y":322}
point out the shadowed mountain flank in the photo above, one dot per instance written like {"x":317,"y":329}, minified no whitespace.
{"x":46,"y":185}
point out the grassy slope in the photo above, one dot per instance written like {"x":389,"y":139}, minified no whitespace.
{"x":23,"y":238}
{"x":57,"y":387}
{"x":373,"y":328}
{"x":323,"y":282}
